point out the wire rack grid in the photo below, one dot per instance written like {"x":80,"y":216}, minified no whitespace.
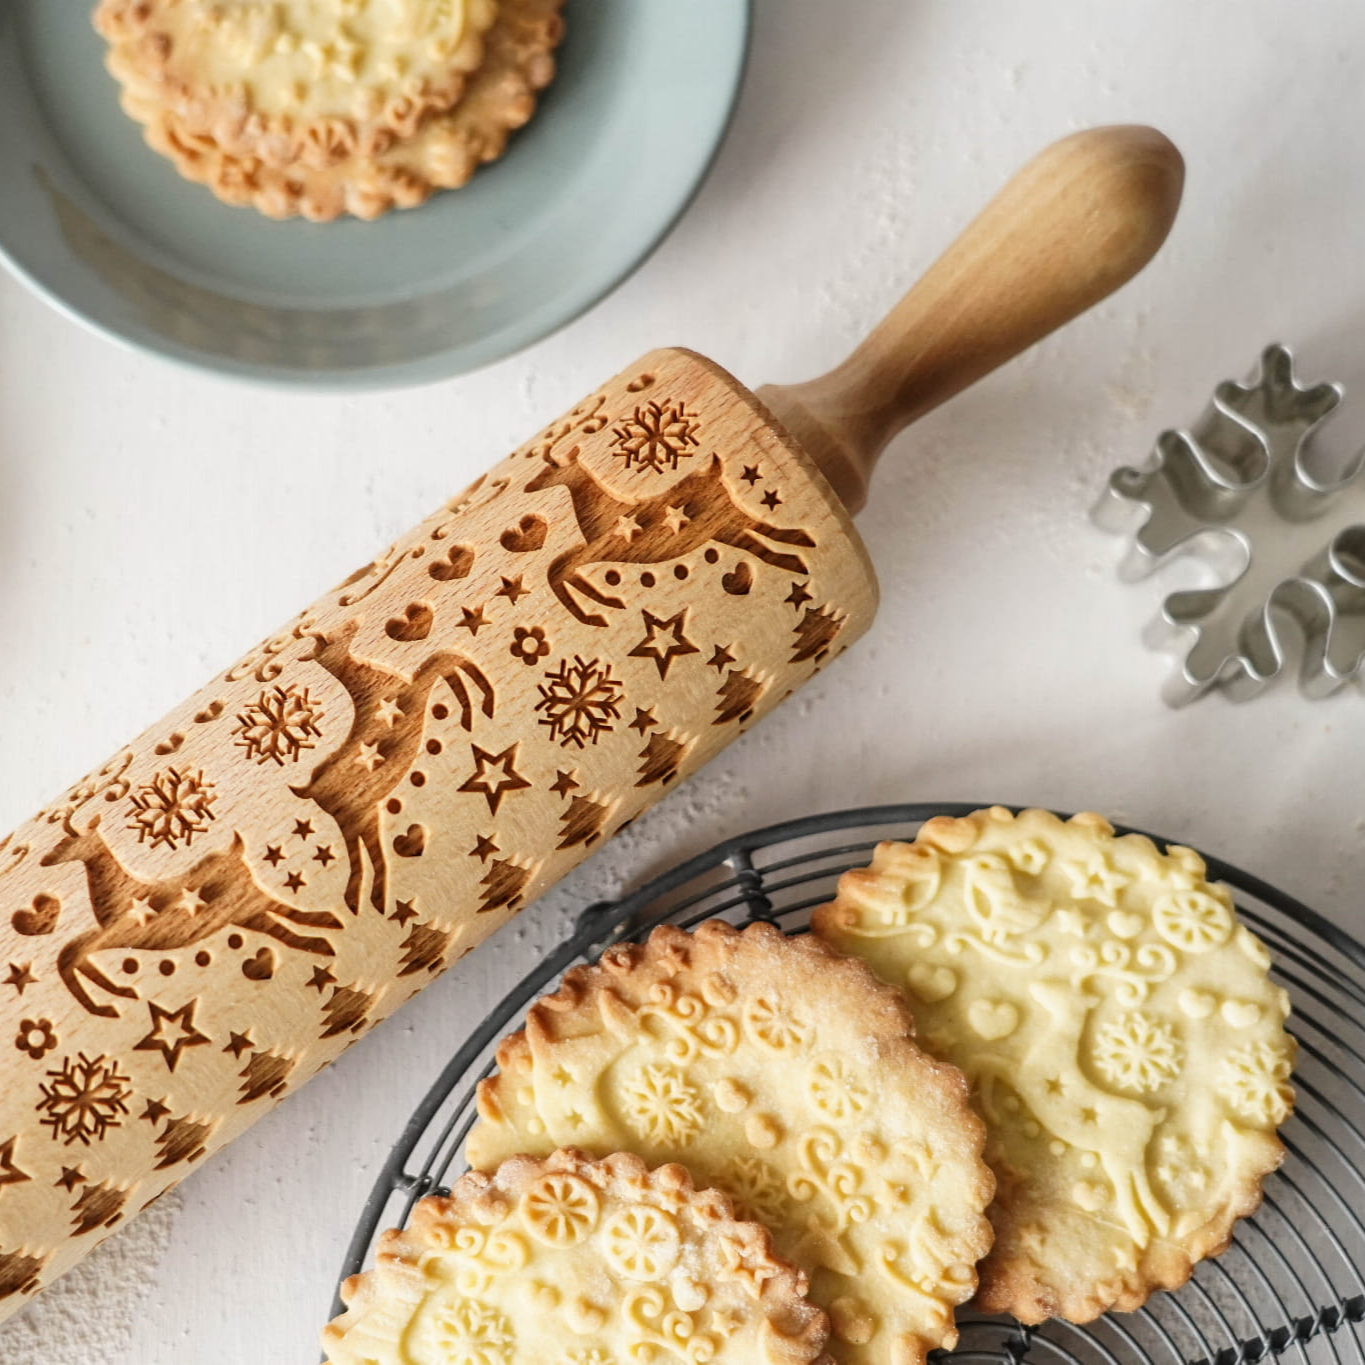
{"x":1291,"y":1284}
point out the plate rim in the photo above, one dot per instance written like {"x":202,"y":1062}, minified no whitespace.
{"x":436,"y":366}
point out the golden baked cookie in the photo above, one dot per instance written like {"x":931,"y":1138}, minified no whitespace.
{"x":786,"y":1075}
{"x":442,"y":154}
{"x":569,"y":1261}
{"x":1124,"y":1043}
{"x":290,"y":81}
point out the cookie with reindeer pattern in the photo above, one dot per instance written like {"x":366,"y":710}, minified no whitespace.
{"x":786,"y":1075}
{"x":569,"y":1261}
{"x":1124,"y":1043}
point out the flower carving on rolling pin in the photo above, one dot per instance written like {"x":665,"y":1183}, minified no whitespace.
{"x":36,"y":1037}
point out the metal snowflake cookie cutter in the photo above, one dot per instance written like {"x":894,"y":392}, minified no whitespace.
{"x":1285,"y":551}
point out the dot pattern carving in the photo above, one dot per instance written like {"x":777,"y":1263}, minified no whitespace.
{"x":712,"y":1048}
{"x":268,"y":872}
{"x":577,"y":1262}
{"x":1123,"y":1040}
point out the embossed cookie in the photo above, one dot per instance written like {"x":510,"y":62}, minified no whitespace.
{"x":286,"y":81}
{"x":569,"y":1261}
{"x":786,"y":1075}
{"x":1124,"y":1043}
{"x":443,"y":154}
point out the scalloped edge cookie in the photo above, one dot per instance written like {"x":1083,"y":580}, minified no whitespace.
{"x":142,"y":58}
{"x":443,"y":154}
{"x":903,"y":880}
{"x":731,"y":1296}
{"x":735,"y":970}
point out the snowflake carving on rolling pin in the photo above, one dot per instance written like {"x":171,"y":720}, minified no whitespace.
{"x":1281,"y":553}
{"x":278,"y":726}
{"x":172,"y":808}
{"x":581,"y":701}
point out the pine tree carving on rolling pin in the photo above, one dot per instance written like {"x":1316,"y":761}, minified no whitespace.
{"x":194,"y":930}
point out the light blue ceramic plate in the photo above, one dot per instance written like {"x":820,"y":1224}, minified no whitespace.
{"x":108,"y":232}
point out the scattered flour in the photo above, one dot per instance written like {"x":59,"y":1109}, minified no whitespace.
{"x":90,"y":1313}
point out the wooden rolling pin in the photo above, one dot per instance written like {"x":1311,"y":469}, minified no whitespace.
{"x":193,"y":931}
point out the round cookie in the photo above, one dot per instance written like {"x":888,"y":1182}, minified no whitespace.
{"x":296,"y":81}
{"x":1123,"y":1040}
{"x":569,"y":1261}
{"x":786,"y":1075}
{"x":443,"y":154}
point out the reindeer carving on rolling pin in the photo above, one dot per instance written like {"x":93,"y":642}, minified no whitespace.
{"x":197,"y":928}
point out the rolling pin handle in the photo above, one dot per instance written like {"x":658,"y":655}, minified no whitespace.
{"x":1076,"y":223}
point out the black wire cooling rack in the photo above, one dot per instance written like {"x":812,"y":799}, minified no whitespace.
{"x":1290,"y":1285}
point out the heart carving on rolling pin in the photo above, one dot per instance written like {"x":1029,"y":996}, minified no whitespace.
{"x":414,"y":624}
{"x":40,"y":919}
{"x":739,"y":580}
{"x":457,"y":564}
{"x":261,"y":967}
{"x":412,"y":844}
{"x":527,"y":535}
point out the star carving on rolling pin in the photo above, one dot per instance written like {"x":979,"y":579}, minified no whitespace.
{"x":471,"y":620}
{"x":512,"y":590}
{"x":191,"y":902}
{"x":494,"y":775}
{"x":172,"y":1032}
{"x":239,"y":1043}
{"x":368,"y":757}
{"x":142,"y":910}
{"x":20,"y":976}
{"x":664,"y":641}
{"x":155,"y":1111}
{"x":388,"y":712}
{"x":484,"y":848}
{"x":627,"y":527}
{"x":675,"y":518}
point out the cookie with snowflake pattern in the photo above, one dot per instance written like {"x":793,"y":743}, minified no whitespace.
{"x":786,"y":1075}
{"x":1124,"y":1042}
{"x":288,"y":82}
{"x":442,"y":152}
{"x":569,"y":1261}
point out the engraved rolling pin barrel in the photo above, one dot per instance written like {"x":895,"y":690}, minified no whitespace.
{"x":198,"y":927}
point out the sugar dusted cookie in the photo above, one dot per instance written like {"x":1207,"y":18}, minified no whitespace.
{"x":569,"y":1261}
{"x":1124,"y":1043}
{"x":442,"y":154}
{"x":297,"y":81}
{"x":786,"y":1075}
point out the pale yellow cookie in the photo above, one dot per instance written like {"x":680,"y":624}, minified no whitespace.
{"x":296,"y":81}
{"x":786,"y":1075}
{"x":570,"y":1261}
{"x":443,"y":154}
{"x":1124,"y":1043}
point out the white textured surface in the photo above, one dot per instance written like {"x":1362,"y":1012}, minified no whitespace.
{"x":153,"y":524}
